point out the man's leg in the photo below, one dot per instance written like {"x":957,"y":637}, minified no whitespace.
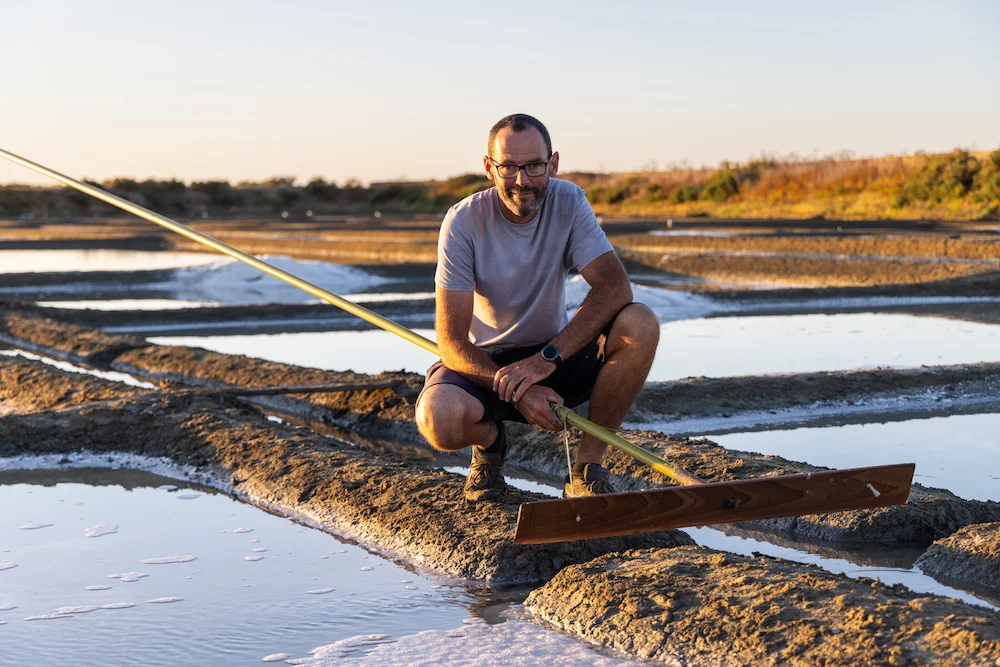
{"x":628,"y":352}
{"x":451,"y":419}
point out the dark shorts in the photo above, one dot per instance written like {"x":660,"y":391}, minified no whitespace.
{"x":573,"y":379}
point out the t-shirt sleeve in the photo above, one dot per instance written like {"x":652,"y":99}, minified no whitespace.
{"x":587,"y":241}
{"x":456,"y":255}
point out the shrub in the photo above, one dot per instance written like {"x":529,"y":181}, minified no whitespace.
{"x":720,"y":186}
{"x":942,"y":178}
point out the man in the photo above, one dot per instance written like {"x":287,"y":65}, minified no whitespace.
{"x":508,"y":348}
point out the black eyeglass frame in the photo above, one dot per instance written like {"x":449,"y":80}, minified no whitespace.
{"x":498,"y":166}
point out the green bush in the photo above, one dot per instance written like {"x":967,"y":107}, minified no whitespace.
{"x":720,"y":186}
{"x":943,"y":178}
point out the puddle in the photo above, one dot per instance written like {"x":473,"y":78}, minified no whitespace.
{"x":731,"y":346}
{"x":59,"y":261}
{"x":182,"y":564}
{"x":361,"y":351}
{"x":715,"y":347}
{"x":958,"y":453}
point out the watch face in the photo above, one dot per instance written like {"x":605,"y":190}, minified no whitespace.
{"x":550,"y":353}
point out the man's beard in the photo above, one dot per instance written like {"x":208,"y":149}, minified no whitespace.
{"x":522,"y":209}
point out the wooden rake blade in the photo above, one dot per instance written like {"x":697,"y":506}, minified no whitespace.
{"x":718,"y":502}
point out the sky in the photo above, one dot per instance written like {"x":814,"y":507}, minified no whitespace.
{"x":226,"y":90}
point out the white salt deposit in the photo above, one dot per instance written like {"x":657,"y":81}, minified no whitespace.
{"x":187,"y":496}
{"x":164,"y":560}
{"x":366,"y":568}
{"x":229,"y":282}
{"x":320,"y":591}
{"x":324,"y":557}
{"x":100,"y":530}
{"x":167,"y":487}
{"x":669,"y":305}
{"x":118,"y":605}
{"x":128,"y":576}
{"x":79,"y":609}
{"x":275,"y":657}
{"x":98,"y":588}
{"x":48,"y":617}
{"x":113,"y":376}
{"x":6,"y":606}
{"x":512,"y":644}
{"x":166,"y":600}
{"x":253,"y":558}
{"x":7,"y":566}
{"x":31,"y":525}
{"x":3,"y":622}
{"x":259,"y":550}
{"x":411,"y":588}
{"x":243,"y":530}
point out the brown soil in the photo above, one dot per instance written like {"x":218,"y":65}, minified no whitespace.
{"x":934,"y":247}
{"x":820,"y":272}
{"x":695,"y":606}
{"x":415,"y":512}
{"x":703,"y":397}
{"x":970,"y":556}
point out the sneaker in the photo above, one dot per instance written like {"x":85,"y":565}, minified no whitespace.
{"x":593,"y":482}
{"x":485,"y":481}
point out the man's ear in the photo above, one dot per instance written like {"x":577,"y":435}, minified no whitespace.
{"x":554,"y":164}
{"x":488,"y":166}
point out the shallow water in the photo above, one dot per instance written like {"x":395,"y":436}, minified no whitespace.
{"x":715,"y":347}
{"x":957,"y":453}
{"x":231,"y":610}
{"x":58,"y":261}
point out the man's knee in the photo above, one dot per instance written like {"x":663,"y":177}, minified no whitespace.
{"x":443,"y":417}
{"x":637,"y":325}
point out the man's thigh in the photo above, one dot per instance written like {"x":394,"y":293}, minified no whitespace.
{"x":441,"y":384}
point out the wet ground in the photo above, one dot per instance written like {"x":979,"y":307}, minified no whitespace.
{"x":763,"y":327}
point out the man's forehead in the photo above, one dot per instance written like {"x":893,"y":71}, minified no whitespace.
{"x":528,"y":143}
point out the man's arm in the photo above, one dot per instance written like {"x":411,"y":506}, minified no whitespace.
{"x":452,"y":319}
{"x":610,"y":291}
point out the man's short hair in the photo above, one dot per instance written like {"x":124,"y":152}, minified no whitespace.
{"x":519,"y":122}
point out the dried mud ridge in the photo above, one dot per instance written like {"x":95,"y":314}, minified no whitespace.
{"x":403,"y":509}
{"x":381,"y":421}
{"x":695,"y":606}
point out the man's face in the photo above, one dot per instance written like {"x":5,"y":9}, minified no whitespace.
{"x":521,"y":194}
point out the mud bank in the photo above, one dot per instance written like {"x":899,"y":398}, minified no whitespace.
{"x":713,"y":404}
{"x":820,"y":272}
{"x":898,"y":246}
{"x":688,"y":606}
{"x":970,"y":556}
{"x":413,"y":512}
{"x":387,"y":415}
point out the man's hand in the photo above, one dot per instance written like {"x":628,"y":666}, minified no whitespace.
{"x":534,"y":405}
{"x":511,"y":382}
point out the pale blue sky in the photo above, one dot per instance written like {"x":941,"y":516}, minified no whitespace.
{"x":245,"y":90}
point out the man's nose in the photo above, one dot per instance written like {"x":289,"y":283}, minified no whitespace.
{"x":523,"y":178}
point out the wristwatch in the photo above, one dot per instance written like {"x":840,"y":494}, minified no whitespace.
{"x":551,"y":353}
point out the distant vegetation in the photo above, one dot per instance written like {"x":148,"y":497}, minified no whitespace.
{"x":956,"y":186}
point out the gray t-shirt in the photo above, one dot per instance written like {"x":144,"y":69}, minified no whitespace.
{"x":518,"y":272}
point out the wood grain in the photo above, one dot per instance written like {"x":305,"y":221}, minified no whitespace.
{"x":719,"y":502}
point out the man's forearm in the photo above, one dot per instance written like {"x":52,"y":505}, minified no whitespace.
{"x":597,"y":309}
{"x":470,"y":361}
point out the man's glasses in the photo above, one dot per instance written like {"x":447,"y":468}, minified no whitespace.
{"x":533,"y":169}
